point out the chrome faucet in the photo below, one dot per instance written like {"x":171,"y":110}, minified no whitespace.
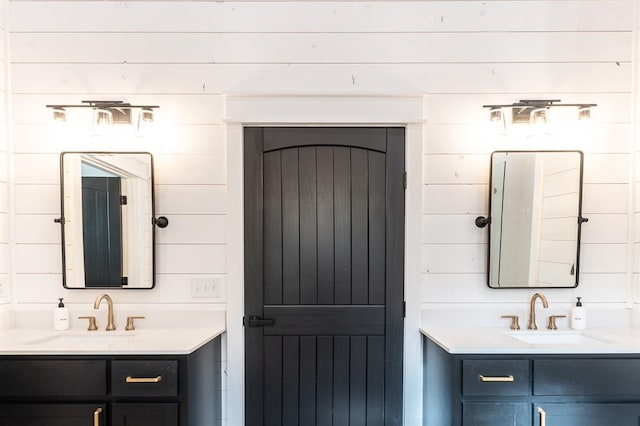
{"x":110,"y":324}
{"x":532,"y":309}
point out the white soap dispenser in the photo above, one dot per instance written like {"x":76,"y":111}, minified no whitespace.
{"x":578,"y":316}
{"x":60,"y":317}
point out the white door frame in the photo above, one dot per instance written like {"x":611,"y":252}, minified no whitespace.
{"x":323,"y":110}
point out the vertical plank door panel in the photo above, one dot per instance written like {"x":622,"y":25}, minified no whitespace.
{"x":308,"y":227}
{"x":341,"y":364}
{"x":325,"y":191}
{"x":377,"y":228}
{"x":308,"y":383}
{"x":272,"y":381}
{"x":290,"y":228}
{"x":290,"y":380}
{"x":342,"y":224}
{"x":358,"y":382}
{"x":324,"y":405}
{"x":359,"y":227}
{"x":253,"y":272}
{"x":272,"y":228}
{"x":375,"y":381}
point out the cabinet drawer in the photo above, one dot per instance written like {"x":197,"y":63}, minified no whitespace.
{"x":144,"y":378}
{"x":496,"y":414}
{"x":36,"y":378}
{"x":52,"y":414}
{"x":495,"y":377}
{"x":609,"y":377}
{"x":144,"y":414}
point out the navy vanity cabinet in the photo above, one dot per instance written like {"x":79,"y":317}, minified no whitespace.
{"x":112,"y":390}
{"x":530,"y":390}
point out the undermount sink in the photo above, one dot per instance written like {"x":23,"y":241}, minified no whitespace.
{"x":536,"y":337}
{"x":81,"y":340}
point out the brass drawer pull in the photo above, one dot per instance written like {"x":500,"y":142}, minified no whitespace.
{"x":495,"y":379}
{"x":96,"y":417}
{"x":156,"y":379}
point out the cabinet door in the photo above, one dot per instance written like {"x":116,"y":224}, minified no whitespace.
{"x":52,"y":414}
{"x":586,"y":414}
{"x":144,"y":414}
{"x":495,"y":414}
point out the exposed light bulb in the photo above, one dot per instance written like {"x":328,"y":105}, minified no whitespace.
{"x":59,"y":115}
{"x":538,"y":116}
{"x":584,"y":113}
{"x":495,"y":114}
{"x":103,"y":116}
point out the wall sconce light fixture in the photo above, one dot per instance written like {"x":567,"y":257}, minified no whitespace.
{"x":535,"y":111}
{"x":106,"y":112}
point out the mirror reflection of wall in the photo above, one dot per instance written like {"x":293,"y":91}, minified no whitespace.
{"x":107,"y":205}
{"x":535,"y":218}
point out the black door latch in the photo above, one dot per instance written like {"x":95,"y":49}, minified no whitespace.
{"x":255,"y":321}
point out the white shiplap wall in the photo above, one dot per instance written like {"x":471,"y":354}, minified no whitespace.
{"x":634,"y":222}
{"x":5,"y":255}
{"x":186,"y":56}
{"x":462,"y":54}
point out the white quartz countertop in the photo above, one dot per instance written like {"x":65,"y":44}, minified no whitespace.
{"x":490,"y":340}
{"x":158,"y":332}
{"x":160,"y":341}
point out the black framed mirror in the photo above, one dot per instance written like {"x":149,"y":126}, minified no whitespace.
{"x":107,"y":221}
{"x":535,"y":219}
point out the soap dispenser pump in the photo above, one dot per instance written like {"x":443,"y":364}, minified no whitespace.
{"x":578,"y":316}
{"x":60,"y":317}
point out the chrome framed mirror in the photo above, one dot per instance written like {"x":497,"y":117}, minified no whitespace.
{"x":107,"y":221}
{"x":535,"y":219}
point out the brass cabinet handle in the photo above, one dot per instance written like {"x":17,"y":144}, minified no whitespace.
{"x":156,"y":379}
{"x":496,"y":378}
{"x":543,"y":417}
{"x":96,"y":416}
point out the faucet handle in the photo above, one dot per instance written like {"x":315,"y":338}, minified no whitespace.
{"x":551,"y":325}
{"x":92,"y":322}
{"x":130,"y":325}
{"x":514,"y":321}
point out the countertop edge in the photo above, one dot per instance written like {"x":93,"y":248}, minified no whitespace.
{"x":149,"y":342}
{"x":495,"y":341}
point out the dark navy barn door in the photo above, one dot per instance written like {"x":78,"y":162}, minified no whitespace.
{"x":102,"y":231}
{"x":324,"y":256}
